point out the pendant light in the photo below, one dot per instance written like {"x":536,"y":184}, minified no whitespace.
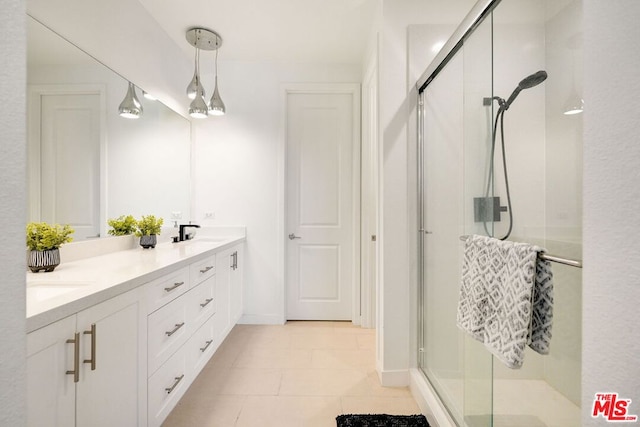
{"x":574,"y":104}
{"x":198,"y":108}
{"x":203,"y":39}
{"x":130,"y":107}
{"x":216,"y":106}
{"x":195,"y":87}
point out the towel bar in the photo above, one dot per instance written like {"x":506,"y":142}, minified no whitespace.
{"x":553,"y":258}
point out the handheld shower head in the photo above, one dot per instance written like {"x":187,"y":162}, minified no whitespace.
{"x":526,"y":83}
{"x":533,"y":80}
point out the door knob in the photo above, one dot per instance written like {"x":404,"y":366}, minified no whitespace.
{"x":293,"y":236}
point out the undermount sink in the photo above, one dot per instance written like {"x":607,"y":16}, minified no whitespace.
{"x":41,"y":291}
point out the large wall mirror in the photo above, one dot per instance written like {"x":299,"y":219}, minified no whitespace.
{"x":86,"y":163}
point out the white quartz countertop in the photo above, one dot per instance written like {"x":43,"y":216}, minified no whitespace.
{"x":77,"y":285}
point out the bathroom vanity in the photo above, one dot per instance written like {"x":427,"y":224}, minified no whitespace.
{"x":117,"y":338}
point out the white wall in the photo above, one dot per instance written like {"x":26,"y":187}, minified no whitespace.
{"x":397,"y":101}
{"x":611,"y":284}
{"x":236,"y":167}
{"x":12,"y":212}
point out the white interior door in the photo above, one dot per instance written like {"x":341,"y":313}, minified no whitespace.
{"x":67,"y":160}
{"x":321,"y":203}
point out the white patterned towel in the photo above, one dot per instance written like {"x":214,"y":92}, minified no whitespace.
{"x":506,"y":297}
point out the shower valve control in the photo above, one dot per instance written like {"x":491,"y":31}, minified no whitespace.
{"x":487,"y":209}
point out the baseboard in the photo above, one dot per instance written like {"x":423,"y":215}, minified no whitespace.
{"x":258,"y":319}
{"x":397,"y":378}
{"x":428,"y":401}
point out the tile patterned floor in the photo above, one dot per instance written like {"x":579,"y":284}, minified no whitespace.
{"x":302,"y":374}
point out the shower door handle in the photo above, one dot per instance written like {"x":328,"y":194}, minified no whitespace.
{"x":293,"y":236}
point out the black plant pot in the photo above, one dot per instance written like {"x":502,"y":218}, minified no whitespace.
{"x":148,"y":241}
{"x":45,"y":261}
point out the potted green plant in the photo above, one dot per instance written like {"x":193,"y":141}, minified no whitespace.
{"x":43,"y":241}
{"x":122,"y":226}
{"x":147,"y":229}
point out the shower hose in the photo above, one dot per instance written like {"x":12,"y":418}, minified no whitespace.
{"x":500,"y":117}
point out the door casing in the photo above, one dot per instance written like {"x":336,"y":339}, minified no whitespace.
{"x":311,"y":88}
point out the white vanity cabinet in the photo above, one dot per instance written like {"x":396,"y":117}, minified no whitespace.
{"x":181,"y":338}
{"x":228,"y":289}
{"x":85,"y":369}
{"x":236,"y":284}
{"x":51,"y":393}
{"x":126,"y":359}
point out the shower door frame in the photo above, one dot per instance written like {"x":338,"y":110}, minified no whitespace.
{"x":474,"y":18}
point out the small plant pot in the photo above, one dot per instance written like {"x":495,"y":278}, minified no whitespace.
{"x":45,"y":261}
{"x":148,"y":241}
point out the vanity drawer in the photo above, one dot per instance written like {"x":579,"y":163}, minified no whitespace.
{"x":166,"y":387}
{"x":201,"y":302}
{"x":201,"y":347}
{"x":167,"y":331}
{"x":202,"y":270}
{"x":166,"y":289}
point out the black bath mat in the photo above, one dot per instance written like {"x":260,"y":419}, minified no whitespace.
{"x":382,"y":420}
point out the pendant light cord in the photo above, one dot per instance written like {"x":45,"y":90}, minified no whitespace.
{"x":216,"y":67}
{"x":197,"y":69}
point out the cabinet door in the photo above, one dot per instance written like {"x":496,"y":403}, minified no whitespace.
{"x":235,"y":284}
{"x":110,"y":392}
{"x":50,"y":390}
{"x":222,"y":318}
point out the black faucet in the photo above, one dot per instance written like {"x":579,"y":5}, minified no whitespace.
{"x":183,"y":236}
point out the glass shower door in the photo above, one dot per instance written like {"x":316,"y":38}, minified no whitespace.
{"x":456,"y":131}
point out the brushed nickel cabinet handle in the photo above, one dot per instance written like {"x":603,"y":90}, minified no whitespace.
{"x":206,"y":302}
{"x":76,"y":357}
{"x":92,"y":332}
{"x":234,"y":264}
{"x":175,"y":384}
{"x":178,"y":326}
{"x":207,"y":344}
{"x":207,"y":268}
{"x":175,"y":285}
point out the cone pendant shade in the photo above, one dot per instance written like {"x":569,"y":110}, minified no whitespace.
{"x":198,"y":108}
{"x":574,"y":104}
{"x":216,"y":106}
{"x":195,"y":86}
{"x":130,"y":107}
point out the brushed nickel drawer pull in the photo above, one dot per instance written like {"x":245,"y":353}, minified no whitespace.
{"x":175,"y":384}
{"x":206,"y":302}
{"x":207,"y":344}
{"x":175,"y":285}
{"x":178,"y":326}
{"x":207,"y":268}
{"x":76,"y":357}
{"x":92,"y":332}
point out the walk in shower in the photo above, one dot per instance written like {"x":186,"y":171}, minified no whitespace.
{"x":461,"y":191}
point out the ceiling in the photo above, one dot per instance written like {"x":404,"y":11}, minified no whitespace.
{"x":277,"y":30}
